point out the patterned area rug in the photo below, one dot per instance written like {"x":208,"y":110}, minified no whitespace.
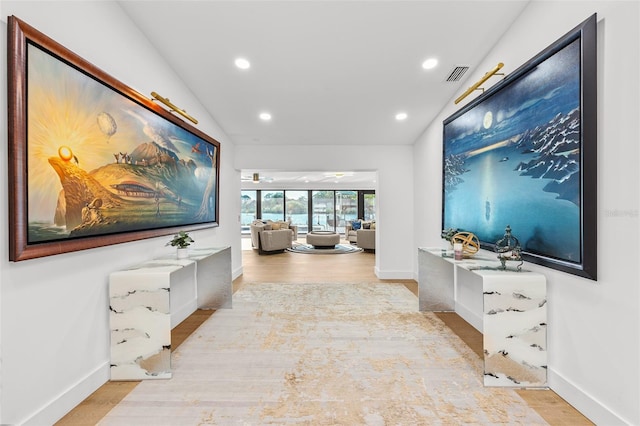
{"x":339,"y":249}
{"x":323,"y":354}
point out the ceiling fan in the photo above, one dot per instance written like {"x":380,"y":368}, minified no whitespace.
{"x":256,"y":178}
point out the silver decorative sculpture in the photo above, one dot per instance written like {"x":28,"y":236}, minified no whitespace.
{"x":508,"y":249}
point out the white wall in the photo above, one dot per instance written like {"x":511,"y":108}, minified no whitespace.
{"x":394,"y":190}
{"x":594,"y":327}
{"x":54,"y":336}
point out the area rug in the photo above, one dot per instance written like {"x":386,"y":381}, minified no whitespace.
{"x":323,"y":354}
{"x":339,"y":249}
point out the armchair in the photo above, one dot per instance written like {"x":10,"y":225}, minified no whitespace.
{"x":366,"y":239}
{"x":351,"y":231}
{"x":267,"y":240}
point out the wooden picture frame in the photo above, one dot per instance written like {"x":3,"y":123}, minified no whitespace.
{"x":92,"y":162}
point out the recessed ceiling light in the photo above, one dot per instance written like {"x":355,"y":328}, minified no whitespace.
{"x":401,"y":116}
{"x":265,"y":116}
{"x":242,"y":63}
{"x":430,"y":63}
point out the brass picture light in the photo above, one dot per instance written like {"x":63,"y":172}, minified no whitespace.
{"x":173,"y":108}
{"x":479,"y":82}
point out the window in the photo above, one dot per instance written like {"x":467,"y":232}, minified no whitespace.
{"x":323,"y":210}
{"x":272,"y":205}
{"x":297,"y":209}
{"x":368,"y":204}
{"x":248,"y":209}
{"x":346,"y":208}
{"x":309,"y":210}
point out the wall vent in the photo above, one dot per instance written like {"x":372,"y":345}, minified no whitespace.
{"x":457,"y":73}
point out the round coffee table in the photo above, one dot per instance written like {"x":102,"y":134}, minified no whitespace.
{"x":323,"y":239}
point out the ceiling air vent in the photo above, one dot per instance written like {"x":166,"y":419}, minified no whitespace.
{"x":457,"y":73}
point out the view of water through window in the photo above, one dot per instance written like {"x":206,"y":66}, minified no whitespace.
{"x":310,"y":210}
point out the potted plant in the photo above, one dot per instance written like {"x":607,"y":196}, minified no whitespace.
{"x":181,"y":240}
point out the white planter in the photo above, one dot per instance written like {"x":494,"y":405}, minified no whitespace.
{"x":183,"y":253}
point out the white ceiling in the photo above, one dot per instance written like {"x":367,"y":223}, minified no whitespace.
{"x":329,"y":72}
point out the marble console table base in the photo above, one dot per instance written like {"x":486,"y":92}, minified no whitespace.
{"x":513,"y":312}
{"x":514,"y":329}
{"x":140,"y":320}
{"x":148,"y":300}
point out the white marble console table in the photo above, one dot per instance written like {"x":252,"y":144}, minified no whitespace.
{"x":508,"y":307}
{"x":149,"y":299}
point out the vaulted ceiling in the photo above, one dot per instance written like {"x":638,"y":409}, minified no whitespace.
{"x":328,"y":72}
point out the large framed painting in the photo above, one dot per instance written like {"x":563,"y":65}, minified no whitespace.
{"x":91,"y":161}
{"x":523,"y":154}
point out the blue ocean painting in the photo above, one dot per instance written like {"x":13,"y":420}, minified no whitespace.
{"x":514,"y":159}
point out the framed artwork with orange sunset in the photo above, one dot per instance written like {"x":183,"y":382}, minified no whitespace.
{"x":91,"y":161}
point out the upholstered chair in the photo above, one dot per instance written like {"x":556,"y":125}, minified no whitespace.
{"x":366,"y":239}
{"x":270,"y":241}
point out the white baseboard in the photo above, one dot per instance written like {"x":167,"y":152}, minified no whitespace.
{"x":57,"y":408}
{"x":593,"y":409}
{"x":235,"y":274}
{"x":393,"y":275}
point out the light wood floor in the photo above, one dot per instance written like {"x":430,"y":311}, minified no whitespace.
{"x":294,"y":267}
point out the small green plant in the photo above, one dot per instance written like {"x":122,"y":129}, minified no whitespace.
{"x":181,"y":240}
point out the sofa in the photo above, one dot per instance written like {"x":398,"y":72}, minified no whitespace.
{"x":362,"y":233}
{"x":270,"y":237}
